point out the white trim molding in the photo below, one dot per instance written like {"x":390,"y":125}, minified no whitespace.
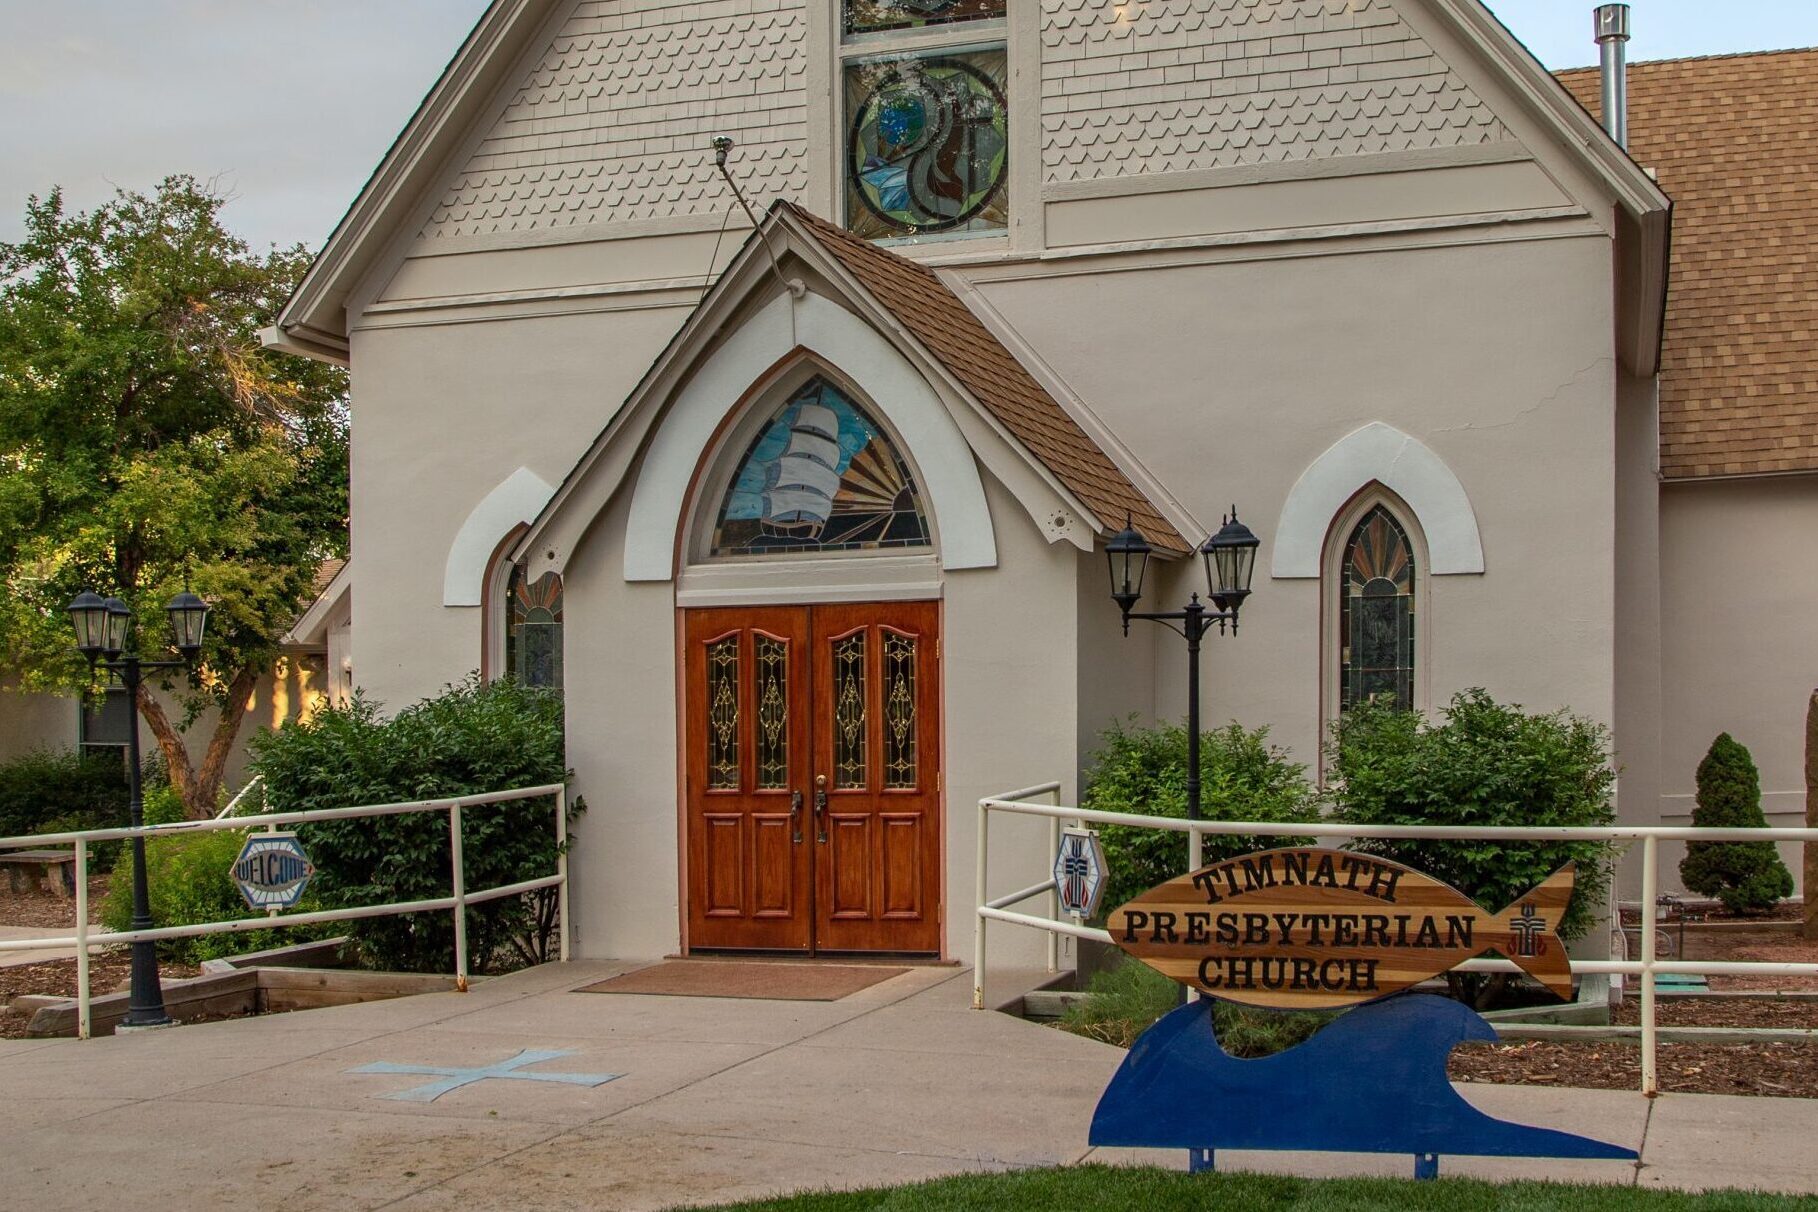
{"x":659,"y":501}
{"x":1380,"y":454}
{"x":517,"y":499}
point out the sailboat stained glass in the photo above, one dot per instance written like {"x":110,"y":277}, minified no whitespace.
{"x":821,"y":476}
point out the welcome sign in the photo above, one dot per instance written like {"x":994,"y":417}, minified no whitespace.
{"x":1311,"y":928}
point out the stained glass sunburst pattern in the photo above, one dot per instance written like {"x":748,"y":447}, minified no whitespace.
{"x":899,"y":710}
{"x":850,"y":717}
{"x":772,"y":712}
{"x":820,"y":476}
{"x":723,"y":714}
{"x":1376,"y":613}
{"x":533,"y":631}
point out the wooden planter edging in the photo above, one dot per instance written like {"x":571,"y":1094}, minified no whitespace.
{"x":245,"y":991}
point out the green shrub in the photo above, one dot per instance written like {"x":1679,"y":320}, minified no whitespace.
{"x":190,"y":882}
{"x":1484,"y":763}
{"x":1144,"y":770}
{"x":476,"y":737}
{"x":1748,"y":877}
{"x":1122,"y":1002}
{"x":66,"y":789}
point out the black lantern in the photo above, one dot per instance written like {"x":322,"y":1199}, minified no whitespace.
{"x":188,"y":617}
{"x":89,"y":614}
{"x":1230,"y":557}
{"x":1128,"y":554}
{"x":119,"y":620}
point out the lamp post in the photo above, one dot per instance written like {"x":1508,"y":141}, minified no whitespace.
{"x":1230,"y":558}
{"x":102,"y":627}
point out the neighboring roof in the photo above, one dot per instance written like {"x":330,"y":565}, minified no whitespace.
{"x":332,"y":582}
{"x":947,"y":329}
{"x":1731,"y":141}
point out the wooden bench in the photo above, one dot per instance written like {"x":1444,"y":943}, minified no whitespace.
{"x":40,"y":865}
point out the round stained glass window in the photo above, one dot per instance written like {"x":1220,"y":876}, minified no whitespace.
{"x":929,"y":144}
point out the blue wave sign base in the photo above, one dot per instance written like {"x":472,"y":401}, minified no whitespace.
{"x":1371,"y":1081}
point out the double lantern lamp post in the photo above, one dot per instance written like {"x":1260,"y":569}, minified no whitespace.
{"x":1230,"y":558}
{"x":102,"y":635}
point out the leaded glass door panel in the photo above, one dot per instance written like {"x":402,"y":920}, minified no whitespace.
{"x":877,"y":783}
{"x":749,"y":854}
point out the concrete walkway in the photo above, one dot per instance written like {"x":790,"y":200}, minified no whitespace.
{"x":719,"y":1099}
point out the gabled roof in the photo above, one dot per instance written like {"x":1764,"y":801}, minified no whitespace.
{"x":332,"y":583}
{"x":949,"y":331}
{"x":905,"y":302}
{"x":1731,"y":140}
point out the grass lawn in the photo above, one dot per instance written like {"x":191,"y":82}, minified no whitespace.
{"x":1117,"y":1189}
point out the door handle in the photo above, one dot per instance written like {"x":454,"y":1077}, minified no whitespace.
{"x":795,"y":816}
{"x":820,"y":809}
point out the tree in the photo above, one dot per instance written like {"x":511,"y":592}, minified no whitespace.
{"x":1748,"y":877}
{"x":1482,"y":763}
{"x":147,"y":441}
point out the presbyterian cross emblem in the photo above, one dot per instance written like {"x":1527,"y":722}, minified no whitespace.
{"x":1528,"y":928}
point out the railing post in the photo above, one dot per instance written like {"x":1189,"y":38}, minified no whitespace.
{"x":1650,"y":892}
{"x":978,"y":900}
{"x":82,"y":1016}
{"x":1054,"y":832}
{"x":561,"y":799}
{"x":460,"y":895}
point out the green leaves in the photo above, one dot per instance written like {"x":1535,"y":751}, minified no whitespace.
{"x":473,"y":738}
{"x":1484,"y":763}
{"x":146,"y":440}
{"x":1748,"y":877}
{"x":1144,"y":771}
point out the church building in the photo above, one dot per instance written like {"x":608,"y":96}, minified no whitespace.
{"x":804,"y":506}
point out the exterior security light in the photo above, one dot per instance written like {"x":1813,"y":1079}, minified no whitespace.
{"x":1128,"y":554}
{"x":188,"y":617}
{"x":88,"y":612}
{"x":1230,"y":557}
{"x":119,"y":619}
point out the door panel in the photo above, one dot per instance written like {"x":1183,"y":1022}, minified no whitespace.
{"x":834,"y":709}
{"x":875,"y":666}
{"x":746,"y":708}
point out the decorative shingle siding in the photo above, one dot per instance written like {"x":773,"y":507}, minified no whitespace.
{"x":1151,"y":86}
{"x":614,"y":124}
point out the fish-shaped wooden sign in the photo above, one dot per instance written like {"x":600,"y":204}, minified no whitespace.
{"x":1311,"y":928}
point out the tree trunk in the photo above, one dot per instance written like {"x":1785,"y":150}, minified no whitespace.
{"x":1811,"y":816}
{"x":199,"y":788}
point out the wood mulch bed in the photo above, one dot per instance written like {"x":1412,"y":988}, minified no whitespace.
{"x":46,"y":910}
{"x":108,"y":971}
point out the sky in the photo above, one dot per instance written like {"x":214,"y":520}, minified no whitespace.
{"x":288,"y":105}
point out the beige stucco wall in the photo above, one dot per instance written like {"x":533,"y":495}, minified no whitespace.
{"x":1226,"y":380}
{"x":1739,"y":577}
{"x":445,"y":410}
{"x":34,"y":721}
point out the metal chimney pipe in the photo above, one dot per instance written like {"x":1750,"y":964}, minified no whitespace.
{"x":1612,"y":39}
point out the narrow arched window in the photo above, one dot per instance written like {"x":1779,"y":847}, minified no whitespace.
{"x":533,"y":630}
{"x":1376,"y":613}
{"x":819,"y":476}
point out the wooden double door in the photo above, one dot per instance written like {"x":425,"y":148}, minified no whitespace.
{"x":812,"y":738}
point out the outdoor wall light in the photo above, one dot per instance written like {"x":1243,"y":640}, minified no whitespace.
{"x":103,"y":628}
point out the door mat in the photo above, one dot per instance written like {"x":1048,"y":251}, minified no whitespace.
{"x":768,"y":981}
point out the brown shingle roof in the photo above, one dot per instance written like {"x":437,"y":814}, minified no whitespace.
{"x":943,"y":324}
{"x":1732,"y":141}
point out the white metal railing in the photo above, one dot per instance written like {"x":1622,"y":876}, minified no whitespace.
{"x":458,"y":901}
{"x":997,"y":909}
{"x":234,"y":804}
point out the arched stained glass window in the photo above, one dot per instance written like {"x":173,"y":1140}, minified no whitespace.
{"x":1376,"y":613}
{"x":533,"y":630}
{"x":819,"y":476}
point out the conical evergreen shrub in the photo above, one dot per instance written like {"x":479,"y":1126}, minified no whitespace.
{"x":1748,"y":877}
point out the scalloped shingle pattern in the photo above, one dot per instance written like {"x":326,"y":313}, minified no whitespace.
{"x":614,"y":123}
{"x":1176,"y":85}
